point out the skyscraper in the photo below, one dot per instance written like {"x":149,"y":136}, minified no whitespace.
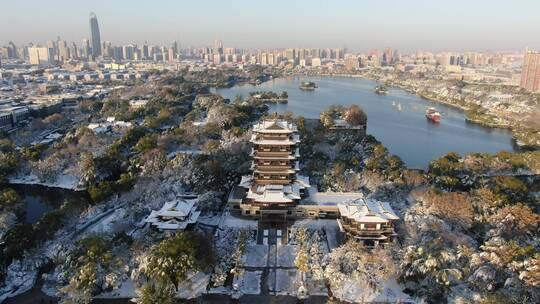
{"x":530,"y":74}
{"x":95,"y":39}
{"x":39,"y":55}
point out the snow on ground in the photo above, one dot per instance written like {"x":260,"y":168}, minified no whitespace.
{"x":255,"y":256}
{"x":63,"y":181}
{"x":316,"y":288}
{"x":209,"y":220}
{"x":126,"y":290}
{"x":315,"y":224}
{"x":329,"y":226}
{"x":108,"y":224}
{"x":229,"y":220}
{"x":284,"y":281}
{"x":247,"y":283}
{"x":219,"y":290}
{"x":272,"y":257}
{"x":194,"y":286}
{"x":286,"y":255}
{"x":185,"y":151}
{"x":20,"y":277}
{"x":391,"y":292}
{"x":191,"y":288}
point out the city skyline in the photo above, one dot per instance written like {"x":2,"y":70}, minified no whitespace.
{"x":414,"y":25}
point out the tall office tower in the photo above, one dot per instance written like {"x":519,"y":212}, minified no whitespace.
{"x":217,"y":59}
{"x":530,"y":74}
{"x":108,"y":49}
{"x":289,"y":54}
{"x":301,"y":54}
{"x":271,"y":59}
{"x":129,"y":51}
{"x":94,"y":36}
{"x":218,"y":47}
{"x":164,"y":52}
{"x":74,"y":51}
{"x":316,"y":53}
{"x":51,"y":45}
{"x":263,"y":59}
{"x":339,"y":53}
{"x":387,"y":56}
{"x":396,"y":56}
{"x":12,"y":51}
{"x":63,"y":51}
{"x":145,"y":51}
{"x":39,"y":55}
{"x":118,"y":53}
{"x":85,"y":50}
{"x":230,"y":51}
{"x":352,"y":62}
{"x":175,"y":48}
{"x":171,"y":54}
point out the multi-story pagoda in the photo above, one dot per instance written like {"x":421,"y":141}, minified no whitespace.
{"x":275,"y":187}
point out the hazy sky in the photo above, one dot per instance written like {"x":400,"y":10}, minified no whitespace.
{"x":358,"y":25}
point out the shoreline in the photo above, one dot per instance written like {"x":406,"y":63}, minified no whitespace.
{"x":514,"y":129}
{"x":25,"y":182}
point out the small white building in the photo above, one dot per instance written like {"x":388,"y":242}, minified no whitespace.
{"x":175,"y":215}
{"x":138,"y":103}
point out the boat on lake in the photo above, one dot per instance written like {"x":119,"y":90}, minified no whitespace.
{"x":433,"y":115}
{"x":308,"y":85}
{"x":397,"y":106}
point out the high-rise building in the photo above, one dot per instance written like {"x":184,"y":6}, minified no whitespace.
{"x":145,"y":51}
{"x":12,"y":51}
{"x":175,"y":48}
{"x":85,"y":50}
{"x":63,"y":51}
{"x":95,"y":39}
{"x":289,"y":54}
{"x":352,"y":62}
{"x":74,"y":51}
{"x":51,"y":45}
{"x":171,"y":54}
{"x":218,"y":47}
{"x":388,"y":55}
{"x":39,"y":55}
{"x":129,"y":51}
{"x":118,"y":53}
{"x":530,"y":74}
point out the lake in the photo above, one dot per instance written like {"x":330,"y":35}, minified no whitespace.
{"x":406,"y":133}
{"x":40,"y":199}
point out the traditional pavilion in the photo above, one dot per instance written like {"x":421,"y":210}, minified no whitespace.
{"x":368,"y":221}
{"x":275,"y":187}
{"x":175,"y":215}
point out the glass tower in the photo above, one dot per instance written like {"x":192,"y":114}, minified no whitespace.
{"x":95,"y":40}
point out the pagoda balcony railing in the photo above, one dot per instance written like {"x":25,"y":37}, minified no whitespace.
{"x":367,"y":231}
{"x":272,"y":168}
{"x":272,"y":153}
{"x":273,"y":181}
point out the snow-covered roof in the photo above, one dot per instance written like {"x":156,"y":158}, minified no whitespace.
{"x":277,"y":126}
{"x":279,"y":193}
{"x":246,"y":181}
{"x":286,"y":141}
{"x":175,"y":214}
{"x":367,"y":211}
{"x":333,"y":198}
